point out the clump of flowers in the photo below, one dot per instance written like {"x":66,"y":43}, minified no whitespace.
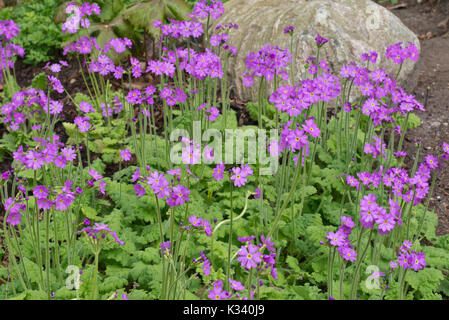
{"x":14,"y":211}
{"x":205,"y":8}
{"x":399,"y":53}
{"x":201,"y":224}
{"x":8,"y":30}
{"x":267,"y":62}
{"x":240,"y":174}
{"x":78,"y":16}
{"x":99,"y":231}
{"x":340,"y":239}
{"x":409,"y":259}
{"x":254,"y":257}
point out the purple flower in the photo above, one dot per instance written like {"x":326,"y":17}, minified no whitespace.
{"x":386,"y":223}
{"x":399,"y":54}
{"x":445,"y":147}
{"x":218,"y":171}
{"x":212,"y":114}
{"x":56,"y":84}
{"x":69,"y":153}
{"x":179,"y":196}
{"x":237,"y":286}
{"x":94,"y":174}
{"x":249,"y":256}
{"x":257,"y":195}
{"x":265,"y":63}
{"x":352,"y":181}
{"x":246,"y":239}
{"x":13,"y":210}
{"x":165,"y":247}
{"x":125,"y":154}
{"x":348,"y":254}
{"x":311,"y":128}
{"x":196,"y":222}
{"x":268,"y":243}
{"x":347,"y":222}
{"x":320,"y":41}
{"x":289,"y":30}
{"x":416,"y":261}
{"x":139,"y":190}
{"x":431,"y":161}
{"x":206,"y":264}
{"x":336,"y":238}
{"x":40,"y":192}
{"x":136,"y":69}
{"x":217,"y":293}
{"x":86,"y":107}
{"x":134,"y":97}
{"x":174,"y":172}
{"x":239,"y":177}
{"x":55,"y":67}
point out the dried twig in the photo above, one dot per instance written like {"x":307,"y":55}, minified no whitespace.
{"x":402,"y":5}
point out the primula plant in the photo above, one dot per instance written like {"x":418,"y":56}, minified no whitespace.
{"x":149,"y":191}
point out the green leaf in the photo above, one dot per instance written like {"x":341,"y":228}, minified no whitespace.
{"x":425,"y":281}
{"x":20,"y":296}
{"x":413,"y":121}
{"x":39,"y":81}
{"x":89,"y":212}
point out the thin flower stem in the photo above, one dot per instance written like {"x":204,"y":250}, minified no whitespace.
{"x":94,"y":285}
{"x":260,"y":107}
{"x":421,"y":222}
{"x":280,"y":212}
{"x":330,"y":268}
{"x":401,"y":284}
{"x":355,"y":281}
{"x":228,"y":266}
{"x":342,"y":275}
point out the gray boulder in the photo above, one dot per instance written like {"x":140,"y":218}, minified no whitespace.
{"x":353,"y":27}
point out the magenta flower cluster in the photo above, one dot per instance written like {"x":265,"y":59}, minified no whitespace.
{"x":240,"y":174}
{"x":25,"y":105}
{"x":45,"y":152}
{"x":100,"y":231}
{"x":398,"y":52}
{"x":374,"y":214}
{"x":219,"y":293}
{"x":174,"y":194}
{"x":252,"y":257}
{"x":294,"y":100}
{"x":267,"y":62}
{"x":8,"y":50}
{"x":96,"y":177}
{"x":78,"y":16}
{"x":205,"y":8}
{"x":201,"y":224}
{"x":14,"y":209}
{"x":398,"y":182}
{"x":340,"y":239}
{"x":409,"y":259}
{"x":61,"y":200}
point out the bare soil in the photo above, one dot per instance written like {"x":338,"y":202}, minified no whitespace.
{"x":429,"y":20}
